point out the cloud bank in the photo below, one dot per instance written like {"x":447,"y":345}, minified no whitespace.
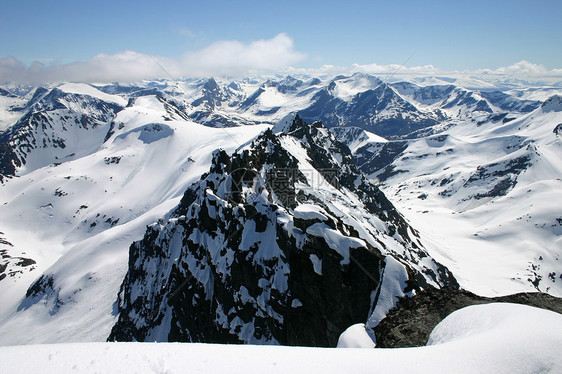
{"x":230,"y":57}
{"x":522,"y":69}
{"x":235,"y":59}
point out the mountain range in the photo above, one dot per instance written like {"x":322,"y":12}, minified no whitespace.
{"x":210,"y":211}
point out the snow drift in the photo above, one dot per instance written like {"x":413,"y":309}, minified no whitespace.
{"x":491,"y":338}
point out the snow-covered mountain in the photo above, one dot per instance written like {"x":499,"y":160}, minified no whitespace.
{"x":482,"y":190}
{"x":393,"y":110}
{"x":65,"y":123}
{"x":76,"y":217}
{"x":284,"y":242}
{"x":84,"y":169}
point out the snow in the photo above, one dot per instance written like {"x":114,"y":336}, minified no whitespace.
{"x":89,"y":90}
{"x":355,"y":336}
{"x":374,"y":138}
{"x":9,"y":116}
{"x":335,"y":240}
{"x":150,"y":133}
{"x":316,"y":263}
{"x":363,"y":138}
{"x":525,"y":338}
{"x":310,"y":212}
{"x":296,"y":303}
{"x":347,"y":88}
{"x":494,"y":245}
{"x":270,"y":97}
{"x":69,"y":235}
{"x":492,"y":338}
{"x":553,"y":104}
{"x":540,"y":93}
{"x":283,"y":125}
{"x":393,"y":284}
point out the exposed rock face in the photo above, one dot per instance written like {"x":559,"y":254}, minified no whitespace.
{"x":54,"y":121}
{"x":12,"y":266}
{"x":43,"y":290}
{"x":552,"y":104}
{"x":558,"y":129}
{"x":380,"y":110}
{"x":411,"y":323}
{"x":284,"y":242}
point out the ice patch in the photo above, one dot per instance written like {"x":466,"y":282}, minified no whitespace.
{"x":316,"y":264}
{"x":296,"y":303}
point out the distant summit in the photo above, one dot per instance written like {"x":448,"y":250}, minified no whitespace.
{"x":553,"y":104}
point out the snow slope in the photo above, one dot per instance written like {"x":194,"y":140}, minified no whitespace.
{"x":10,"y":109}
{"x":491,"y":338}
{"x":89,"y":90}
{"x":74,"y":210}
{"x":77,"y":219}
{"x":482,"y":195}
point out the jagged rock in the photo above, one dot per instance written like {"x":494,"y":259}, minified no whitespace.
{"x":380,"y":156}
{"x":42,"y":290}
{"x":558,"y":129}
{"x":12,"y":266}
{"x":283,"y":242}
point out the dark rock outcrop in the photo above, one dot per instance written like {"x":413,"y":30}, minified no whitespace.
{"x":413,"y":319}
{"x":268,"y":248}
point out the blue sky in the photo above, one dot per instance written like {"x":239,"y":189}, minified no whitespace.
{"x":451,"y":35}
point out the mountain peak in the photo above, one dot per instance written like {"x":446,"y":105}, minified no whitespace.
{"x":286,"y":123}
{"x":283,"y":242}
{"x":552,"y":104}
{"x":211,"y":84}
{"x":6,"y":93}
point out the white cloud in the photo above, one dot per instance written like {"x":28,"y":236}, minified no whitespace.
{"x":428,"y":74}
{"x":395,"y":69}
{"x":12,"y":69}
{"x":374,"y":69}
{"x":234,"y":58}
{"x":220,"y":58}
{"x":521,"y":68}
{"x":186,"y":32}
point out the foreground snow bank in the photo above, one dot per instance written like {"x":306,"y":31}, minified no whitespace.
{"x":502,"y":337}
{"x":355,"y":337}
{"x":491,"y":338}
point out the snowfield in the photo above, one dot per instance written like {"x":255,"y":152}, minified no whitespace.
{"x":77,"y":219}
{"x":495,"y":243}
{"x":478,"y":176}
{"x":490,"y":338}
